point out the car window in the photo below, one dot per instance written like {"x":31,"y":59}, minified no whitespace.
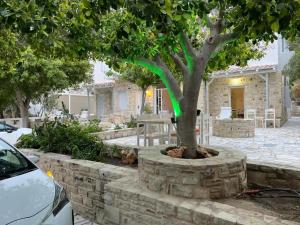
{"x":12,"y":163}
{"x":2,"y":127}
{"x":6,"y":127}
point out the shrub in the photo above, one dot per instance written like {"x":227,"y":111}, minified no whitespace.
{"x":28,"y":141}
{"x":69,"y":138}
{"x":132,"y":123}
{"x":92,"y":126}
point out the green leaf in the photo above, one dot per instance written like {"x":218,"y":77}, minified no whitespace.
{"x":275,"y":26}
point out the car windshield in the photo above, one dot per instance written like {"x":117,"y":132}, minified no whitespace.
{"x":13,"y":163}
{"x":6,"y":127}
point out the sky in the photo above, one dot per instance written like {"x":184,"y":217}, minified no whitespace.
{"x":100,"y":69}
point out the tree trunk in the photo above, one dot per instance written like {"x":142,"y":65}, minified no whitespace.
{"x":187,"y":121}
{"x":187,"y":134}
{"x":143,"y":101}
{"x":23,"y":104}
{"x":24,"y":115}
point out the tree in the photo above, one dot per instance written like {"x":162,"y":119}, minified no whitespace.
{"x":199,"y":36}
{"x":27,"y":75}
{"x":45,"y":47}
{"x":292,"y":69}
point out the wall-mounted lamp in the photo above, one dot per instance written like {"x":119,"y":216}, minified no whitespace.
{"x":149,"y":93}
{"x":235,"y":81}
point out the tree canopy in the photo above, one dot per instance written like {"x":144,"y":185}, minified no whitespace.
{"x":196,"y":36}
{"x":42,"y":49}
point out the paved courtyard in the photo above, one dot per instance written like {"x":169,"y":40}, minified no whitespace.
{"x":278,"y":146}
{"x":78,"y":220}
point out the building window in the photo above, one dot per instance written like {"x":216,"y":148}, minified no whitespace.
{"x":158,"y":100}
{"x":123,"y":100}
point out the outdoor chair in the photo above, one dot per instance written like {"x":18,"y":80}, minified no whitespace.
{"x":251,"y":115}
{"x":84,"y":115}
{"x":225,"y":113}
{"x":270,"y":116}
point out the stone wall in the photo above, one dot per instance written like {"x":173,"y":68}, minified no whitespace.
{"x":83,"y":180}
{"x":128,"y":203}
{"x":220,"y":176}
{"x":112,"y":134}
{"x":276,"y":176}
{"x":236,"y":128}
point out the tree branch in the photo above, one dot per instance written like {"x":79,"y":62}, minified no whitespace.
{"x":186,"y":43}
{"x":176,"y":58}
{"x":160,"y":68}
{"x":172,"y":81}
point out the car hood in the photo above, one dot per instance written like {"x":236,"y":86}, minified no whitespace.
{"x":27,"y":197}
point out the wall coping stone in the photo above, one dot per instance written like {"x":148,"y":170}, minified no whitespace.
{"x":226,"y":155}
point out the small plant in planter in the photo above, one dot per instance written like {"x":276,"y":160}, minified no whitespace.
{"x":132,"y":123}
{"x":117,"y":127}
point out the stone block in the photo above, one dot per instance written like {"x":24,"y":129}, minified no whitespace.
{"x":112,"y":214}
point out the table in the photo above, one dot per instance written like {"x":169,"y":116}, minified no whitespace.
{"x":157,"y":121}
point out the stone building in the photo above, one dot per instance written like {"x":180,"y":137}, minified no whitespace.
{"x":256,"y":87}
{"x":117,"y":100}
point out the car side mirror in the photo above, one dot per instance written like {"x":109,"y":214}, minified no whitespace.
{"x":33,"y":158}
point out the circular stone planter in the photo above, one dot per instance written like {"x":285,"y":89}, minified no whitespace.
{"x":220,"y":176}
{"x":234,"y":128}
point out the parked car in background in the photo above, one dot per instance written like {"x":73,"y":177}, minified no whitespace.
{"x":27,"y":195}
{"x":11,"y":134}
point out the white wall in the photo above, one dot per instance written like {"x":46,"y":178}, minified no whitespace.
{"x":276,"y":53}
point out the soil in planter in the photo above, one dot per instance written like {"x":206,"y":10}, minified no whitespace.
{"x":287,"y":208}
{"x":118,"y":162}
{"x":177,"y":152}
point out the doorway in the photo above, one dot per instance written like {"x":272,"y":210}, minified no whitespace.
{"x":237,"y":102}
{"x":100,"y":106}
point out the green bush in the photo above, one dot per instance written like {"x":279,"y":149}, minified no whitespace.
{"x":92,"y":126}
{"x":28,"y":141}
{"x":69,"y":138}
{"x":132,"y":123}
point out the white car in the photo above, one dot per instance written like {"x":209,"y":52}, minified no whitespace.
{"x":27,"y":195}
{"x":11,"y":134}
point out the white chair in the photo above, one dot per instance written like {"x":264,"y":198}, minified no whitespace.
{"x":84,"y":115}
{"x":251,"y":115}
{"x":225,"y":113}
{"x":270,"y":116}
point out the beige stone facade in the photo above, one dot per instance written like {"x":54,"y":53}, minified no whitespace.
{"x":117,"y":101}
{"x":254,"y":89}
